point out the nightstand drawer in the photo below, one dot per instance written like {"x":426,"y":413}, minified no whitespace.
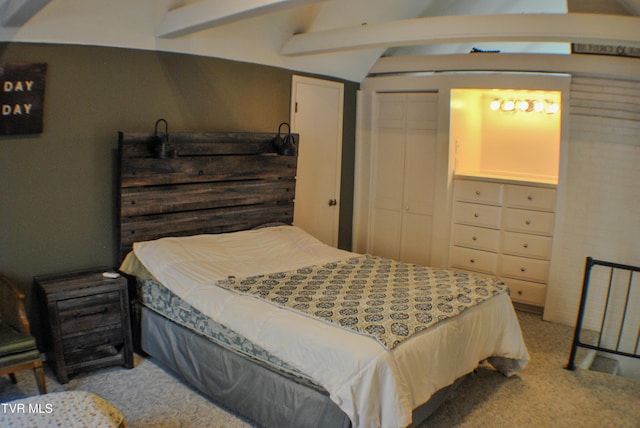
{"x":475,"y":260}
{"x":523,"y":244}
{"x":524,"y":268}
{"x":478,"y":191}
{"x":477,"y":215}
{"x":529,"y":221}
{"x":475,"y":237}
{"x":87,"y":346}
{"x":90,"y":312}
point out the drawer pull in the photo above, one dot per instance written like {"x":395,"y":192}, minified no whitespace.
{"x":475,"y":238}
{"x":523,"y":269}
{"x":478,"y":192}
{"x":103,"y":343}
{"x":100,"y":312}
{"x":525,"y":245}
{"x":476,"y":215}
{"x":472,"y":260}
{"x":520,"y":293}
{"x":530,"y":198}
{"x":527,"y":222}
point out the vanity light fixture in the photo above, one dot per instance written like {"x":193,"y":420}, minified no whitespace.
{"x":525,"y":105}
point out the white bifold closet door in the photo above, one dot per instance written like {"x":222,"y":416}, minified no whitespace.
{"x":404,"y":176}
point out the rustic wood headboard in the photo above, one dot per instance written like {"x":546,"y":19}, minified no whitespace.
{"x":218,"y":182}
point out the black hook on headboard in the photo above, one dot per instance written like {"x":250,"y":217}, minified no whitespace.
{"x":285,"y":146}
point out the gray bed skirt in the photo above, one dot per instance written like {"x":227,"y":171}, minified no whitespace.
{"x":251,"y":389}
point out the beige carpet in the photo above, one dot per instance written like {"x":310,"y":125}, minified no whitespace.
{"x":543,"y":395}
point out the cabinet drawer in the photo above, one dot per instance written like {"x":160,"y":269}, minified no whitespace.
{"x":523,"y":244}
{"x":475,"y":237}
{"x":477,"y":214}
{"x":90,"y":312}
{"x":529,"y":221}
{"x":475,"y":260}
{"x":524,"y":268}
{"x":527,"y":292}
{"x":478,"y":191}
{"x":537,"y":198}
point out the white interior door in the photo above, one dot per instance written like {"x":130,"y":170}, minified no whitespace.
{"x":316,"y":114}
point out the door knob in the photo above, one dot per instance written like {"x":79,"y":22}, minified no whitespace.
{"x":332,"y":202}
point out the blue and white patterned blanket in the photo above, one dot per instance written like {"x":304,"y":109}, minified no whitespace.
{"x":388,"y":300}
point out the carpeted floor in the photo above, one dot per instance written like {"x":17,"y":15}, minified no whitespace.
{"x":543,"y":395}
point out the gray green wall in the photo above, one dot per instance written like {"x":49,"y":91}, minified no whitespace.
{"x":57,"y":191}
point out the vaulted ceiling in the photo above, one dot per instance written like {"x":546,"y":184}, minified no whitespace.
{"x":339,"y":38}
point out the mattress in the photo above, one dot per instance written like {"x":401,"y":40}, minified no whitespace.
{"x":374,"y":386}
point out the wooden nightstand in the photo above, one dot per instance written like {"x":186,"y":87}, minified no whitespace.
{"x":87,"y":322}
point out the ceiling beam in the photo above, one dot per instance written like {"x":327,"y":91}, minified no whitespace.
{"x":15,"y":13}
{"x":594,"y":65}
{"x":211,"y":13}
{"x":578,"y":28}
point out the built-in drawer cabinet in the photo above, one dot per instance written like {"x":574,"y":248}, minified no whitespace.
{"x":528,"y":221}
{"x":506,"y":230}
{"x":522,"y":244}
{"x":524,"y":268}
{"x":480,"y":192}
{"x":477,"y":214}
{"x":531,"y":198}
{"x":530,"y":293}
{"x":475,"y":260}
{"x":475,"y":237}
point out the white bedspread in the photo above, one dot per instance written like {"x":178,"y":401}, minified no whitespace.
{"x":374,"y":387}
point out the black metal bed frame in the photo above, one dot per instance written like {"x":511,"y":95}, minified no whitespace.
{"x":590,"y":263}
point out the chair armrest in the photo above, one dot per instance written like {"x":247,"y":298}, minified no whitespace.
{"x":12,"y":311}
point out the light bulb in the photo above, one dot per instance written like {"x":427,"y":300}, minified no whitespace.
{"x":523,"y":105}
{"x":538,"y":106}
{"x":508,"y":105}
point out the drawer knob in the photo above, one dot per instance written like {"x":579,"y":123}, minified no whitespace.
{"x":523,"y":269}
{"x":520,"y":293}
{"x":475,"y":238}
{"x":527,"y":222}
{"x":472,"y":260}
{"x":526,"y":245}
{"x":476,"y":215}
{"x":478,"y":192}
{"x":530,"y":198}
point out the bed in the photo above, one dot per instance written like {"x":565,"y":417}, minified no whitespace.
{"x":268,"y":321}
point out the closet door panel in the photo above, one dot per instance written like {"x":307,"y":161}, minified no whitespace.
{"x":420,"y":175}
{"x":389,"y":172}
{"x":404,"y":176}
{"x":417,"y":232}
{"x":391,"y":111}
{"x":386,"y":239}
